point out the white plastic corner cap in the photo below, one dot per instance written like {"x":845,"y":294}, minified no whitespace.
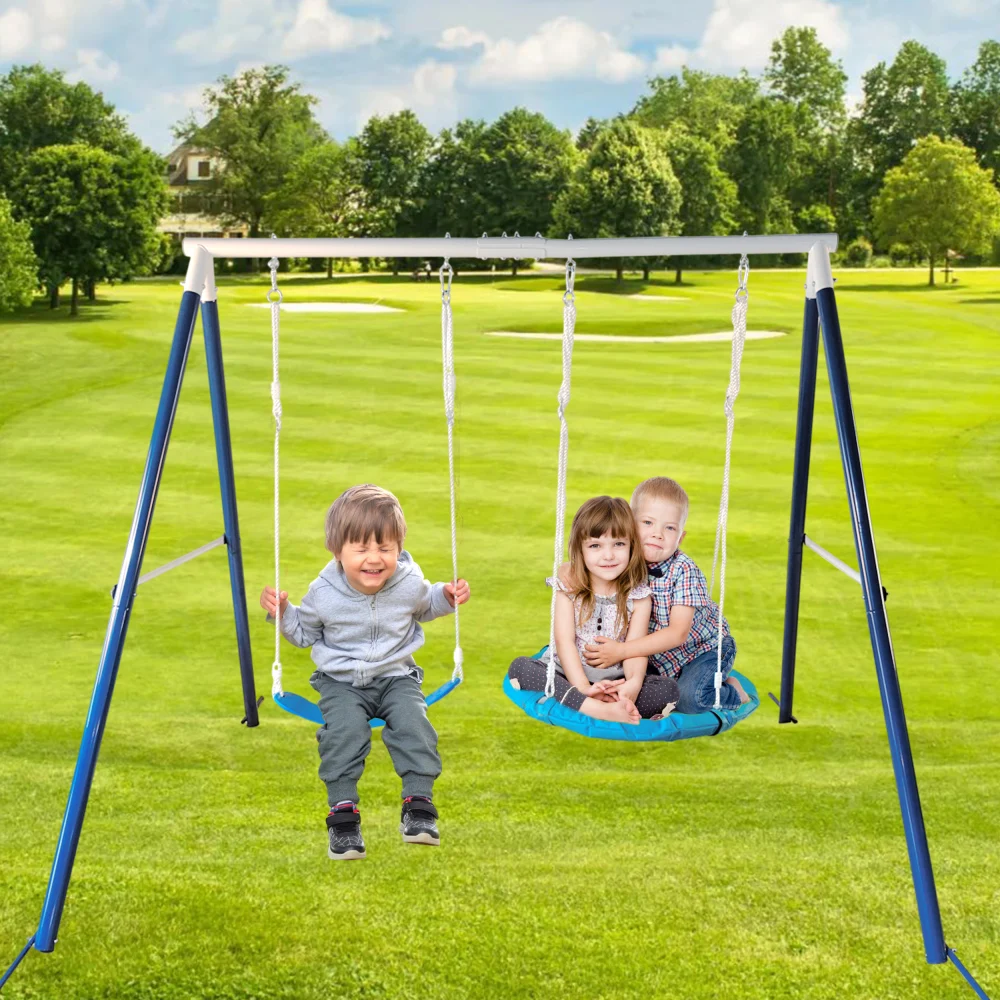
{"x":818,"y":272}
{"x":200,"y":276}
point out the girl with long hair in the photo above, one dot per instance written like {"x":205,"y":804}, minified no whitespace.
{"x":606,"y":594}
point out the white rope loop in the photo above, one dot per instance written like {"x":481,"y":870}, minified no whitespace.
{"x":739,"y":318}
{"x":274,"y":297}
{"x":448,"y":369}
{"x":569,"y":326}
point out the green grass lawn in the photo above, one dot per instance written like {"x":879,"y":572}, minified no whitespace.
{"x":769,"y":863}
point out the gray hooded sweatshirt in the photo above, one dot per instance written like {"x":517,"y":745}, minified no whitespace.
{"x":358,"y":637}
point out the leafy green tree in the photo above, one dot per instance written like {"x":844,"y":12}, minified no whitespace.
{"x":449,"y":201}
{"x":763,"y":162}
{"x":321,"y":196}
{"x":18,"y":264}
{"x":390,"y":155}
{"x":709,"y":196}
{"x":802,"y":72}
{"x":939,"y":199}
{"x":39,"y":108}
{"x":259,"y":125}
{"x":93,"y":214}
{"x":387,"y":160}
{"x":526,"y":164}
{"x":710,"y":106}
{"x":589,"y":131}
{"x":976,"y":107}
{"x":902,"y":103}
{"x":625,"y":187}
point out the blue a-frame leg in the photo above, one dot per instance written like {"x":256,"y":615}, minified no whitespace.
{"x":821,"y":313}
{"x":199,"y":287}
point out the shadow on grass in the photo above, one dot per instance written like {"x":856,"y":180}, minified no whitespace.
{"x":39,"y":312}
{"x":843,"y":286}
{"x":981,"y":302}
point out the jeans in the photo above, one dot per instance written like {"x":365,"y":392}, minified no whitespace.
{"x":697,"y":680}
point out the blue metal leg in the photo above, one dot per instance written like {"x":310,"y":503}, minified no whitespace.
{"x":227,"y":482}
{"x":878,"y":626}
{"x":114,"y":640}
{"x":800,"y":488}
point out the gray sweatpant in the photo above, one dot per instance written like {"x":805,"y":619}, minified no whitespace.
{"x":346,"y":738}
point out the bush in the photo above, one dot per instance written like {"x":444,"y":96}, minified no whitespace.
{"x":900,"y":254}
{"x":881,"y":261}
{"x":19,"y":273}
{"x":859,"y":253}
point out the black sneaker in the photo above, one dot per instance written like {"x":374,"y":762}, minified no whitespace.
{"x":417,"y":824}
{"x":344,"y":824}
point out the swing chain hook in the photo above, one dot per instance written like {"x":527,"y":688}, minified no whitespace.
{"x":569,"y":296}
{"x":742,"y":292}
{"x":274,"y":294}
{"x":446,"y":274}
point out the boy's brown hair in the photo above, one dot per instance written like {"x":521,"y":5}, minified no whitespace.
{"x":596,"y":517}
{"x":661,"y":488}
{"x":363,"y":511}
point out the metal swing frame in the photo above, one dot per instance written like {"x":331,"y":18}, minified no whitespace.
{"x":820,"y":312}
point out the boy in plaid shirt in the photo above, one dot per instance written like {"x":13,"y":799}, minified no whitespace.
{"x":684,"y":626}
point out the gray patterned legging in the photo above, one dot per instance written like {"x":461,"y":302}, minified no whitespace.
{"x":656,"y":692}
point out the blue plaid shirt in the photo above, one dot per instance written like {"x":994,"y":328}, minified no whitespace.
{"x":678,"y":580}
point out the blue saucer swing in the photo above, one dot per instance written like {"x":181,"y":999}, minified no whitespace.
{"x":541,"y":705}
{"x":296,"y":704}
{"x":676,"y":726}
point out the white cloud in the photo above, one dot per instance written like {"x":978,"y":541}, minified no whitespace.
{"x":249,"y":27}
{"x":94,"y":67}
{"x":563,"y":48}
{"x":431,"y":90}
{"x":739,"y":33}
{"x":462,"y":38}
{"x":16,"y":32}
{"x":239,"y":26}
{"x":317,"y":28}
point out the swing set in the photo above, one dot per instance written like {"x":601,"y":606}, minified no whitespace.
{"x":820,"y":314}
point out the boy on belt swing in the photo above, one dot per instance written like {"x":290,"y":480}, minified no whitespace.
{"x":361,"y":617}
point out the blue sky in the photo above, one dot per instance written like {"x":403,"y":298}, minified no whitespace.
{"x":448,"y":59}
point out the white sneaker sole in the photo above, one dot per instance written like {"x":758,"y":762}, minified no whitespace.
{"x":420,"y":838}
{"x":346,"y":855}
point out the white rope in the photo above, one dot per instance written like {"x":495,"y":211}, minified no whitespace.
{"x":739,"y":318}
{"x":569,"y":325}
{"x":274,"y":297}
{"x":448,"y":368}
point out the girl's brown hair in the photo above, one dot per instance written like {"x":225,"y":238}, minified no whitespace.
{"x":604,"y":515}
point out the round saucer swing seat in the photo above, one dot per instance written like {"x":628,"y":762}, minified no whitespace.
{"x":543,"y":705}
{"x":676,"y":726}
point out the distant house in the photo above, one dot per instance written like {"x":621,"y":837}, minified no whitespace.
{"x":193,"y":211}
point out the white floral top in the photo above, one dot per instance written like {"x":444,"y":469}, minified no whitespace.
{"x":603,"y":621}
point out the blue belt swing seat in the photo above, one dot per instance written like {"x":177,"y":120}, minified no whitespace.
{"x":678,"y":725}
{"x":296,"y":704}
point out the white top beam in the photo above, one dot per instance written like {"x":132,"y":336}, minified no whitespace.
{"x":501,"y":247}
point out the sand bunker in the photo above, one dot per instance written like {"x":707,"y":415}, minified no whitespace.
{"x":682,"y":338}
{"x":329,"y":307}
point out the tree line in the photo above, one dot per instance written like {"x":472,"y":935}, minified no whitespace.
{"x":912,"y":172}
